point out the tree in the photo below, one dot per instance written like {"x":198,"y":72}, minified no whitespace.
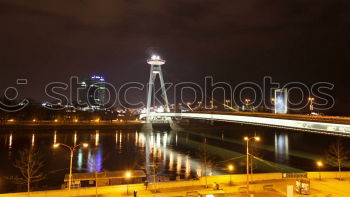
{"x":30,"y":164}
{"x":337,"y":155}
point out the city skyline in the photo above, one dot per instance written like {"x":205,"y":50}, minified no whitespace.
{"x":232,"y":41}
{"x":174,"y":98}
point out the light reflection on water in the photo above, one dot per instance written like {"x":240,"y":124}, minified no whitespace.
{"x":281,"y":147}
{"x":176,"y":151}
{"x":10,"y":142}
{"x":33,"y":139}
{"x":107,"y":151}
{"x":97,"y":138}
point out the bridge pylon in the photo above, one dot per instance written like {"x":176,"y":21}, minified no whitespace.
{"x":156,"y":69}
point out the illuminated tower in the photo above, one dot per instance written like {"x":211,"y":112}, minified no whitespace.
{"x":156,"y":68}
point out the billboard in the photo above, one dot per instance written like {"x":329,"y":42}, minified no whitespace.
{"x":281,"y":101}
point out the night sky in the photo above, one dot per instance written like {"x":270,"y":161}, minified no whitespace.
{"x":233,"y":41}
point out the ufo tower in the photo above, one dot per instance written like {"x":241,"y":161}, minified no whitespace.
{"x":156,"y":69}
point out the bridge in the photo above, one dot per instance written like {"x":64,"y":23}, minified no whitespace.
{"x":337,"y":126}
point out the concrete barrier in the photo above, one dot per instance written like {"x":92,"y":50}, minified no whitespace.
{"x":328,"y":175}
{"x":121,"y":189}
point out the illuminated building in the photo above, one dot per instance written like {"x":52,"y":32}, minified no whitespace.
{"x":92,"y":95}
{"x":281,"y":101}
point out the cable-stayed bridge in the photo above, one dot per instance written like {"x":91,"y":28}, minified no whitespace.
{"x":324,"y":125}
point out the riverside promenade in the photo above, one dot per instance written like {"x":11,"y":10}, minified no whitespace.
{"x":268,"y":184}
{"x":67,"y":125}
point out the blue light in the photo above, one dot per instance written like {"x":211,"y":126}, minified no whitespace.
{"x":94,"y":162}
{"x":98,"y":77}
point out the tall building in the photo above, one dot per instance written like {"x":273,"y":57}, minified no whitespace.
{"x":92,"y":95}
{"x":281,"y":101}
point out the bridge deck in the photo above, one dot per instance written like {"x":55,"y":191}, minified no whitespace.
{"x":303,"y":117}
{"x":317,"y":124}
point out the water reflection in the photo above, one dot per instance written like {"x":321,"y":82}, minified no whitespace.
{"x":136,"y":138}
{"x":94,"y":161}
{"x":33,"y":139}
{"x":116,"y":137}
{"x":55,"y":138}
{"x":97,"y":138}
{"x":120,"y":141}
{"x":176,"y":139}
{"x":178,"y":163}
{"x":10,"y":141}
{"x":75,"y":138}
{"x":171,"y":161}
{"x":80,"y":159}
{"x":281,"y":147}
{"x":188,"y":166}
{"x":152,"y":146}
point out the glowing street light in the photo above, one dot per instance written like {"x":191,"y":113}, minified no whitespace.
{"x":319,"y":166}
{"x":231,"y":168}
{"x":72,"y":149}
{"x":311,"y":99}
{"x":127,"y":177}
{"x":247,"y":139}
{"x":273,"y":104}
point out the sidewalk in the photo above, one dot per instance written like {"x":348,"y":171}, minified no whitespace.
{"x":265,"y":185}
{"x":327,"y":187}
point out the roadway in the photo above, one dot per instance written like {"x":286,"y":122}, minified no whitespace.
{"x":332,"y":125}
{"x":303,"y":117}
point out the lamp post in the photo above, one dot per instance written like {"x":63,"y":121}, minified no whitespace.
{"x":247,"y":102}
{"x":231,"y":168}
{"x":227,"y":103}
{"x":127,"y":176}
{"x":311,"y":99}
{"x":319,"y":166}
{"x":72,"y":149}
{"x":247,"y":139}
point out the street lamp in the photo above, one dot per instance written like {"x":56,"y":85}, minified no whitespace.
{"x":211,"y":104}
{"x":319,"y":166}
{"x":311,"y":99}
{"x":273,"y":104}
{"x":127,"y":176}
{"x":247,"y":101}
{"x":231,"y":168}
{"x":247,"y":139}
{"x":72,"y":149}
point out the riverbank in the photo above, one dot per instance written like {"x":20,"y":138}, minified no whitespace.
{"x":81,"y":125}
{"x":268,"y":184}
